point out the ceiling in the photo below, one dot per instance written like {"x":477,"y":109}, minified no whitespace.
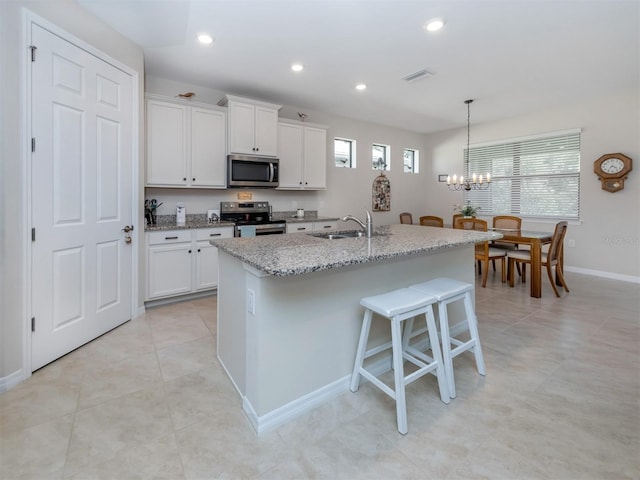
{"x":511,"y":56}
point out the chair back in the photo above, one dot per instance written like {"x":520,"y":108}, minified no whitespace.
{"x":406,"y":217}
{"x":507,"y":222}
{"x":555,"y":249}
{"x":431,"y":221}
{"x":470,"y":224}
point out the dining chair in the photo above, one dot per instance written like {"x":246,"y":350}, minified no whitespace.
{"x":484,"y":253}
{"x":406,"y":217}
{"x":431,"y":221}
{"x":551,"y":258}
{"x":508,"y":222}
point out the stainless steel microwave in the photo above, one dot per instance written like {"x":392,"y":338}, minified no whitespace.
{"x":249,"y":171}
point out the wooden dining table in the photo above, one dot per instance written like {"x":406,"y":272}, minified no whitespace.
{"x":535,"y":240}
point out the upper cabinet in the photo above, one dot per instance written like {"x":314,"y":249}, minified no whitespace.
{"x":253,"y":126}
{"x":303,"y":156}
{"x":186,"y":145}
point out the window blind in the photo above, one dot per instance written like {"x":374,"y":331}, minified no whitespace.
{"x":535,"y":177}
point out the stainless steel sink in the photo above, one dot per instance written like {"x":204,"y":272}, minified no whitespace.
{"x":337,"y":235}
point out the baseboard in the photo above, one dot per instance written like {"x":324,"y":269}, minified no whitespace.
{"x":179,"y":298}
{"x":12,"y":380}
{"x":600,"y":273}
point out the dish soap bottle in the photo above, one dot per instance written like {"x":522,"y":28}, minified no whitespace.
{"x":181,"y":215}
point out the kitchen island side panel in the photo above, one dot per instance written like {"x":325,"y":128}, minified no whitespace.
{"x":304,"y":332}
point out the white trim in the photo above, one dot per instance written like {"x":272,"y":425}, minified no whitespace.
{"x":602,"y":274}
{"x":12,"y":380}
{"x":28,"y":19}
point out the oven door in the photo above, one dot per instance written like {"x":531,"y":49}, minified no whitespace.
{"x":259,"y":230}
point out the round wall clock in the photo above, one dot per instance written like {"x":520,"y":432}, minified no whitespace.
{"x":612,"y":169}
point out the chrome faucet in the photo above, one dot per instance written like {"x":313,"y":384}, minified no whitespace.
{"x":368,"y":227}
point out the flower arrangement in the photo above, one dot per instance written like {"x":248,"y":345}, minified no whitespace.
{"x":466,"y":210}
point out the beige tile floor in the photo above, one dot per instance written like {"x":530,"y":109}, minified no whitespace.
{"x":561,"y":400}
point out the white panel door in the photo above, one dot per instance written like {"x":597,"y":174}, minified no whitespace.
{"x":81,"y":196}
{"x":290,"y":154}
{"x":208,"y":148}
{"x":315,"y":158}
{"x":167,"y":143}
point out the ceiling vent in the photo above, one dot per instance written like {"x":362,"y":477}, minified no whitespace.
{"x":417,"y":76}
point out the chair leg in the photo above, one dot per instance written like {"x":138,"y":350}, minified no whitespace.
{"x":504,"y":269}
{"x":494,"y":265}
{"x":398,"y":374}
{"x":551,"y":280}
{"x":512,"y":263}
{"x":524,"y":272}
{"x":362,"y":348}
{"x":560,"y":275}
{"x":485,"y":274}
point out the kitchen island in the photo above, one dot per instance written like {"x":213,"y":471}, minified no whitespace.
{"x":288,"y":307}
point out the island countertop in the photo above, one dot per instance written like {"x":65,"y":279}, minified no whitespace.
{"x":300,"y":253}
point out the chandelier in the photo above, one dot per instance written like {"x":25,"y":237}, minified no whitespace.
{"x":473,"y":181}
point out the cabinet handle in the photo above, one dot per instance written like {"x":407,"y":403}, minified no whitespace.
{"x":189,"y":251}
{"x":171,"y":238}
{"x":327,"y":226}
{"x":302,"y":228}
{"x":215,"y":234}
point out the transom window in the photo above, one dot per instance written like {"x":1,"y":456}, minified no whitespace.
{"x":345,"y":152}
{"x":380,"y":157}
{"x":411,"y":160}
{"x":536,"y":177}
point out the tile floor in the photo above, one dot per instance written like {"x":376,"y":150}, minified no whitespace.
{"x":561,"y":400}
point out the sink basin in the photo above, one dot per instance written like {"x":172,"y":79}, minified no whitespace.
{"x":337,"y":235}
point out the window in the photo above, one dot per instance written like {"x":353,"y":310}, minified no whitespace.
{"x":535,"y":177}
{"x":411,"y":160}
{"x":380,"y":157}
{"x":345,"y":152}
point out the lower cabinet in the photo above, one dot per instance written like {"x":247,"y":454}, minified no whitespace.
{"x":301,"y":227}
{"x":182,"y":261}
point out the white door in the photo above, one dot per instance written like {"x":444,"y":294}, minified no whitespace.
{"x":81,"y":196}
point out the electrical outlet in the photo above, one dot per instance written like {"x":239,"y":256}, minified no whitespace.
{"x":251,"y":302}
{"x":571,"y":243}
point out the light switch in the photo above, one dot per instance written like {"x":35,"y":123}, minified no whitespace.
{"x":251,"y":302}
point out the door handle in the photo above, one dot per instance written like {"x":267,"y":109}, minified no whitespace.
{"x":127,"y":239}
{"x":128,"y":228}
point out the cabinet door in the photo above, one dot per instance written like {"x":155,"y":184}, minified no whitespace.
{"x":315,"y":158}
{"x":266,"y":131}
{"x":169,"y":269}
{"x":290,"y":155}
{"x":241,"y":128}
{"x":166,"y":144}
{"x":208,"y":148}
{"x":206,"y":266}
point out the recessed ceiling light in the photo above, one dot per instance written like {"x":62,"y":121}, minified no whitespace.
{"x":434,"y":24}
{"x":297,"y":67}
{"x":361,"y":86}
{"x":205,"y":38}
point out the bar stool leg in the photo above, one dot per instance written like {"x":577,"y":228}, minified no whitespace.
{"x":441,"y":370}
{"x":398,"y":374}
{"x":362,"y":347}
{"x":447,"y":359}
{"x":473,"y":330}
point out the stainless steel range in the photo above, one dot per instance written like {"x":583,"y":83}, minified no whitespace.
{"x":251,"y":218}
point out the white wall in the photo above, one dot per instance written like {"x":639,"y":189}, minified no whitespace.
{"x":68,"y":16}
{"x":607,"y":238}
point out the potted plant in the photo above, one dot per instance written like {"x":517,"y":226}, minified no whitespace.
{"x":467,"y":210}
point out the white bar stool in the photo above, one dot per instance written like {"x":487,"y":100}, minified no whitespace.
{"x":446,"y":291}
{"x":398,"y":306}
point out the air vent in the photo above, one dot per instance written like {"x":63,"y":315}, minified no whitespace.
{"x":417,"y":76}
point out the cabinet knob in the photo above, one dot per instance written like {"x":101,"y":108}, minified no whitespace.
{"x":189,"y":251}
{"x":198,"y":250}
{"x":184,"y":179}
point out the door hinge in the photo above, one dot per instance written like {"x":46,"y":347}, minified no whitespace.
{"x":33,"y":234}
{"x":33,"y":52}
{"x":33,"y":324}
{"x":33,"y":144}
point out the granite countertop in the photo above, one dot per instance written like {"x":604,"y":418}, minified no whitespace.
{"x":300,"y":253}
{"x":168,"y":222}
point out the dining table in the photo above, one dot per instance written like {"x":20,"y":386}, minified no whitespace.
{"x":535,"y":240}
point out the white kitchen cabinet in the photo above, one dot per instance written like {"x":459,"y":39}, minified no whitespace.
{"x":299,"y":227}
{"x":252,"y":127}
{"x":325,"y":225}
{"x":303,"y":156}
{"x":186,"y":145}
{"x":182,"y":261}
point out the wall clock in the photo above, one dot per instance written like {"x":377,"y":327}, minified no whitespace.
{"x":612,"y":170}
